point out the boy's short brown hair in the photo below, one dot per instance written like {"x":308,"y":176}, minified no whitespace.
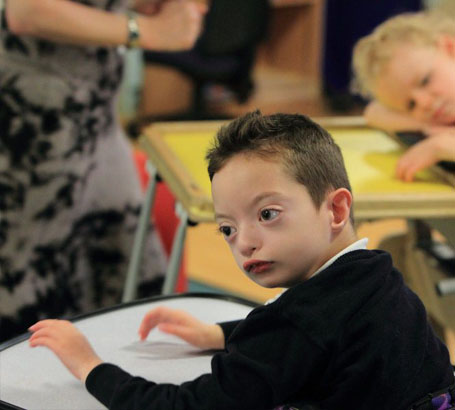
{"x":307,"y":151}
{"x":373,"y":52}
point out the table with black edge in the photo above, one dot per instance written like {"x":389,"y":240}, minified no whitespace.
{"x":35,"y":379}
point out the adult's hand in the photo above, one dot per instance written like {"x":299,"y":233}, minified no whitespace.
{"x":148,"y":7}
{"x":175,"y":27}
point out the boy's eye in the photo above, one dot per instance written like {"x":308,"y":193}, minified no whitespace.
{"x":226,"y":230}
{"x":425,"y":80}
{"x":269,"y":214}
{"x":411,"y":105}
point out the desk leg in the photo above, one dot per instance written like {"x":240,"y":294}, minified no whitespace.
{"x":427,"y":274}
{"x":421,"y":274}
{"x":177,"y":250}
{"x":130,"y":289}
{"x":446,"y":226}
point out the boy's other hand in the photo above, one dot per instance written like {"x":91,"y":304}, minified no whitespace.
{"x":438,"y":146}
{"x":68,"y":343}
{"x":183,"y":325}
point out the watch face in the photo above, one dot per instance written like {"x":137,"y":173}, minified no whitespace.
{"x":133,"y":31}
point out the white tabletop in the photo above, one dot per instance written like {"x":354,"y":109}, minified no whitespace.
{"x":35,"y":379}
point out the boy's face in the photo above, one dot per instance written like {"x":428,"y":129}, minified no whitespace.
{"x":420,"y":81}
{"x":276,"y":234}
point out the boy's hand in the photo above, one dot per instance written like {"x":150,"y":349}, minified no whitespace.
{"x":175,"y":26}
{"x":439,"y":146}
{"x":183,"y":325}
{"x":68,"y":343}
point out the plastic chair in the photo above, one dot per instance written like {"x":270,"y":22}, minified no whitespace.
{"x":224,"y":54}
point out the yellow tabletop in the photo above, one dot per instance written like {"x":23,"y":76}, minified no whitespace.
{"x":178,"y":150}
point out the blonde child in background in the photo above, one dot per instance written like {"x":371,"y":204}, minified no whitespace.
{"x":407,"y":66}
{"x":347,"y":333}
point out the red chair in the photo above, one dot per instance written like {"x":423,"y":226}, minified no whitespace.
{"x":163,"y":214}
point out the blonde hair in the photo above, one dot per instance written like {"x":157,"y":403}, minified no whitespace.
{"x":372,"y":53}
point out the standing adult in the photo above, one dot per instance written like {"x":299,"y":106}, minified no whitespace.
{"x":69,"y":195}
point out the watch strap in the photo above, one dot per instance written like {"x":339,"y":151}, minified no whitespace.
{"x":133,"y":31}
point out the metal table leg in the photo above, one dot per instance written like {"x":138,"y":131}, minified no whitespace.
{"x":130,"y":289}
{"x":177,"y":251}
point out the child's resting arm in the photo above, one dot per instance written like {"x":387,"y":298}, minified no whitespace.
{"x":439,"y":146}
{"x":379,"y":116}
{"x":262,"y":368}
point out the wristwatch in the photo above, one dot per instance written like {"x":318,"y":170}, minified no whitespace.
{"x":133,"y":31}
{"x":3,"y":24}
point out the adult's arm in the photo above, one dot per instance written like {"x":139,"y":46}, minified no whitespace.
{"x":175,"y":27}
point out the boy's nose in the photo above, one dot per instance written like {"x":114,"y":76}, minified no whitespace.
{"x":248,"y":242}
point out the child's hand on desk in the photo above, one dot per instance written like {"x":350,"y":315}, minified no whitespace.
{"x":68,"y":343}
{"x":438,"y":146}
{"x":183,"y":325}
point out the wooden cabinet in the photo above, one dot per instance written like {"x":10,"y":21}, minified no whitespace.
{"x":295,"y":37}
{"x":291,"y":52}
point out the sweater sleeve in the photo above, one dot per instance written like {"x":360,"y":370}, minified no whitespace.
{"x":228,"y":328}
{"x":267,"y":362}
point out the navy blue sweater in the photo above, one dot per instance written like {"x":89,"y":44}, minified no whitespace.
{"x":352,"y":337}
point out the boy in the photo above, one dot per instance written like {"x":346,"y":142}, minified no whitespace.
{"x":347,"y":334}
{"x":407,"y":65}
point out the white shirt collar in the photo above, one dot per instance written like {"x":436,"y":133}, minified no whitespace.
{"x":357,"y":245}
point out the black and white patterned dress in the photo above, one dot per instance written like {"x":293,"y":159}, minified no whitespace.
{"x":69,"y":192}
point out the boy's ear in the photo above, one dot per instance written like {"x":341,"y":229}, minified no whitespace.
{"x":446,"y":43}
{"x":339,"y":202}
